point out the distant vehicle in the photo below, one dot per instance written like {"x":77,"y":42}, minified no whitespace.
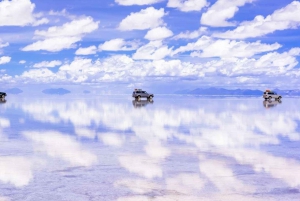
{"x":139,"y":93}
{"x":268,"y":94}
{"x":270,"y":103}
{"x":2,"y":95}
{"x":141,"y":103}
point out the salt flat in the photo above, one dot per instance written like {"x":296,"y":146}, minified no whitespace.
{"x":174,"y":148}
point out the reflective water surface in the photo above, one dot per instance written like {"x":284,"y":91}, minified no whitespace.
{"x":171,"y":148}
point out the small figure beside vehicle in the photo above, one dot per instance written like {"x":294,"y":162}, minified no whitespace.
{"x":268,"y":94}
{"x":139,"y":93}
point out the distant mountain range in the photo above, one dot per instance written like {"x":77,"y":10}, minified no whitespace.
{"x":232,"y":92}
{"x":59,"y":91}
{"x":14,"y":91}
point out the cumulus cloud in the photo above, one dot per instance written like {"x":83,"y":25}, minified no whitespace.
{"x":136,"y":2}
{"x":118,"y":44}
{"x":86,"y":50}
{"x":57,"y":38}
{"x":22,"y":62}
{"x":223,"y":10}
{"x":2,"y":45}
{"x":188,"y":5}
{"x":209,"y":47}
{"x":19,"y":13}
{"x":4,"y":60}
{"x":158,"y":33}
{"x":281,"y":19}
{"x":122,"y":68}
{"x":47,"y":64}
{"x":154,"y":50}
{"x":145,"y":19}
{"x":191,"y":34}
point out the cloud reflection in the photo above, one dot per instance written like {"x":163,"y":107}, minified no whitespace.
{"x":15,"y":170}
{"x":64,"y":147}
{"x":228,"y":134}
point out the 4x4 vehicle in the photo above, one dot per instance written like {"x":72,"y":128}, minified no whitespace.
{"x":268,"y":94}
{"x":139,"y":93}
{"x":2,"y":95}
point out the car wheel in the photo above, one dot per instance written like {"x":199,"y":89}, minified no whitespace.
{"x":139,"y":98}
{"x":270,"y":98}
{"x":279,"y":97}
{"x":3,"y":97}
{"x":150,"y":97}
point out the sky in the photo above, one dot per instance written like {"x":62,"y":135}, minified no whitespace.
{"x":163,"y":45}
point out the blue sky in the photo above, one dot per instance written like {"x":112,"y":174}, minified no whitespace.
{"x":156,"y":44}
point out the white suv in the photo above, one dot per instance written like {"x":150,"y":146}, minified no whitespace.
{"x":271,"y":94}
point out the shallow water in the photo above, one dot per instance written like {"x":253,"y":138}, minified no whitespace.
{"x":174,"y":148}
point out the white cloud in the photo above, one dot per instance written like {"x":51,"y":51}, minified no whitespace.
{"x":74,"y":28}
{"x":22,"y":62}
{"x":125,"y":69}
{"x":19,"y":13}
{"x":187,"y":5}
{"x":43,"y":75}
{"x":191,"y":34}
{"x":223,"y":10}
{"x":158,"y":33}
{"x":136,"y":2}
{"x":154,"y":50}
{"x":86,"y":50}
{"x":4,"y":60}
{"x":2,"y":45}
{"x":57,"y":38}
{"x":284,"y":18}
{"x":53,"y":44}
{"x":63,"y":13}
{"x":145,"y":19}
{"x":209,"y":47}
{"x":47,"y":64}
{"x":118,"y":44}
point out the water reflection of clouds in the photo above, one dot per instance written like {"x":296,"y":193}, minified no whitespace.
{"x":15,"y":170}
{"x":64,"y":147}
{"x":232,"y":131}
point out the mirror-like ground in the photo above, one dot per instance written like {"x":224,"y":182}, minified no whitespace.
{"x":66,"y":148}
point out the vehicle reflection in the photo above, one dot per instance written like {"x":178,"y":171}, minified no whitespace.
{"x":271,"y":103}
{"x":2,"y":100}
{"x":142,"y":103}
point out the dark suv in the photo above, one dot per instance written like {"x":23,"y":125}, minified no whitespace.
{"x":2,"y":95}
{"x":139,"y":93}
